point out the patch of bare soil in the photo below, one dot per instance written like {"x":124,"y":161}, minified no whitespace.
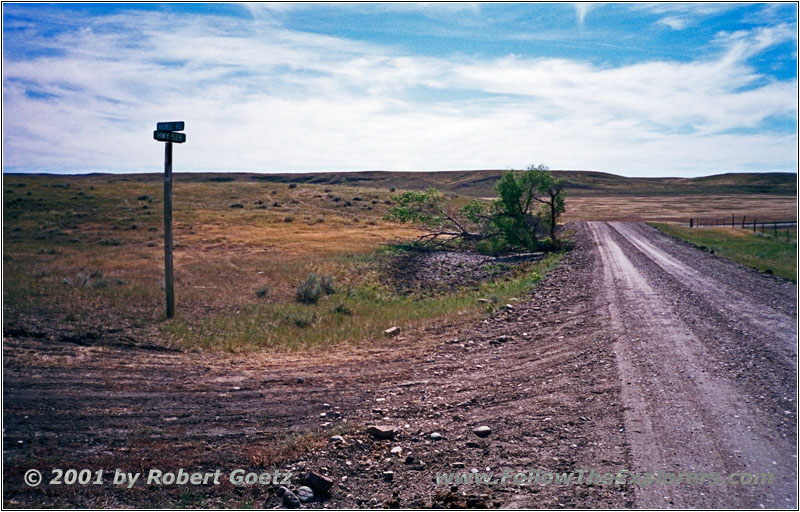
{"x":536,"y":374}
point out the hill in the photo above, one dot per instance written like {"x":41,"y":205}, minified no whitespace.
{"x":580,"y":183}
{"x":480,"y":183}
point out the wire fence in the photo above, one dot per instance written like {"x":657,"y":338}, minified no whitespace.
{"x":780,"y":229}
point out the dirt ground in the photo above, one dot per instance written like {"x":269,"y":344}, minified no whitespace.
{"x":636,"y":353}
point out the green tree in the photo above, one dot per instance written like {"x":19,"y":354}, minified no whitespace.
{"x":526,"y":200}
{"x":550,"y":193}
{"x":429,"y":210}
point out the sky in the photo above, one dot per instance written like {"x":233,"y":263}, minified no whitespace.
{"x":657,"y":89}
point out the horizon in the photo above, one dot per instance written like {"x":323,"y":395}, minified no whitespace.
{"x":128,"y":173}
{"x":636,"y":90}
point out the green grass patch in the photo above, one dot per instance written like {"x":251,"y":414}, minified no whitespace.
{"x":764,"y":252}
{"x":351,"y":316}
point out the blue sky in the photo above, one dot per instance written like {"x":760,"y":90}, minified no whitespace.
{"x":660,"y":89}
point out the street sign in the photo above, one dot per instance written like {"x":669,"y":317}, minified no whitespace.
{"x":174,"y":126}
{"x":168,"y":132}
{"x":169,"y":136}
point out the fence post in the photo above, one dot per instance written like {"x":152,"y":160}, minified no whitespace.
{"x":732,"y":218}
{"x":754,"y":224}
{"x":691,"y":223}
{"x":775,"y":229}
{"x":743,"y":217}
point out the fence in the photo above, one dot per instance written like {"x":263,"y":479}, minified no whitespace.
{"x":764,"y":227}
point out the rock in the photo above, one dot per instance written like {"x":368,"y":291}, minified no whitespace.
{"x":388,"y":476}
{"x":509,"y":307}
{"x":397,"y":450}
{"x":484,"y":301}
{"x":336,"y":439}
{"x":500,"y":339}
{"x":392,"y":503}
{"x":289,"y":498}
{"x":392,"y":331}
{"x":381,"y":432}
{"x":436,"y":436}
{"x":475,"y":503}
{"x":458,"y":465}
{"x":482,"y":431}
{"x":320,"y":484}
{"x":305,"y":494}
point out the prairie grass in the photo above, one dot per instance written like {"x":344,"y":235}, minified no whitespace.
{"x":370,"y":309}
{"x":237,"y":270}
{"x":761,"y":251}
{"x":57,"y":227}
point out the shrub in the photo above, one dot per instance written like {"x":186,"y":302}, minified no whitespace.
{"x":237,"y":205}
{"x":320,"y":220}
{"x":288,"y":218}
{"x":342,"y":309}
{"x":310,"y":290}
{"x":292,"y":185}
{"x":301,"y":320}
{"x":262,"y":291}
{"x":144,"y":197}
{"x":326,"y":283}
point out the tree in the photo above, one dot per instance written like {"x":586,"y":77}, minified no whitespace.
{"x":429,"y":210}
{"x":551,"y":195}
{"x":526,"y":200}
{"x":515,"y":213}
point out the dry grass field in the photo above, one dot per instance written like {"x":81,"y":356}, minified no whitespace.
{"x":681,"y":208}
{"x":84,"y":255}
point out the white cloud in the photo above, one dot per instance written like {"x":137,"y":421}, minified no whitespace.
{"x":581,"y":9}
{"x":258,"y":97}
{"x":675,"y":22}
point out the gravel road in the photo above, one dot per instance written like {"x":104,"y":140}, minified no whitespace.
{"x":638,"y":352}
{"x":706,"y":350}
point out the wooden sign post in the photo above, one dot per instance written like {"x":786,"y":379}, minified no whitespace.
{"x":164,"y":133}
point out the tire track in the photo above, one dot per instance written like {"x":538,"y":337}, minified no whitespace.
{"x":682,"y":414}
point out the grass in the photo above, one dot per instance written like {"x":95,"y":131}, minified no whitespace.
{"x":761,"y":251}
{"x":237,"y":270}
{"x":354,"y":315}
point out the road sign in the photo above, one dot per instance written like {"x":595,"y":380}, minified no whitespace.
{"x":174,"y":126}
{"x":169,"y":136}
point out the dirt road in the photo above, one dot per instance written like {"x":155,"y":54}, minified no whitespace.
{"x":637,"y":353}
{"x":706,"y":351}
